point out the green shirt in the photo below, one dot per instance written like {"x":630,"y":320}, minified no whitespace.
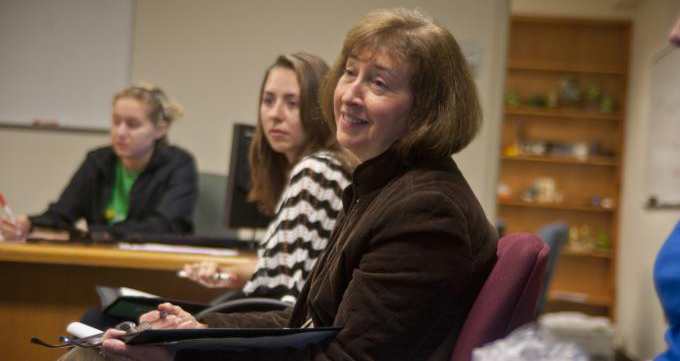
{"x":117,"y":208}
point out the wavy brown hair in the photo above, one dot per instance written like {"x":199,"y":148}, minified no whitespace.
{"x":269,"y":169}
{"x":446,"y":115}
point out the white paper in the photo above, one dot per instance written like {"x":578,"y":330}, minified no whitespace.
{"x":81,"y":330}
{"x":157,"y":247}
{"x":125,"y":291}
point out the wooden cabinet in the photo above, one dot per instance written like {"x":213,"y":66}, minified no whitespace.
{"x":561,"y":147}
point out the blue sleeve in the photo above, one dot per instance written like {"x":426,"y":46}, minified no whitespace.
{"x":667,"y":282}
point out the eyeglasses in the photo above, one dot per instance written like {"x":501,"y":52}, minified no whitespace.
{"x":87,"y":342}
{"x":94,"y":340}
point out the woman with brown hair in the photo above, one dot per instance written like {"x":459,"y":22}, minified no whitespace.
{"x":412,"y":246}
{"x":298,"y":173}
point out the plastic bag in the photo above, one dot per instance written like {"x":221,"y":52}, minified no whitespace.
{"x":529,"y":343}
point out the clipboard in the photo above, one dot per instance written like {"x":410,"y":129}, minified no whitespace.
{"x":233,"y":338}
{"x":214,"y":338}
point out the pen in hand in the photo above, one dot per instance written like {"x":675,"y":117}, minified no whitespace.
{"x":7,"y":209}
{"x":218,"y":276}
{"x":10,"y":215}
{"x":130,"y":326}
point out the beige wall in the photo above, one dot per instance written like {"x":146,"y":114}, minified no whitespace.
{"x":211,"y":54}
{"x":640,"y":319}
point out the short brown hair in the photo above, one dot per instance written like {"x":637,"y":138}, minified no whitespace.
{"x":446,"y":115}
{"x":269,"y":169}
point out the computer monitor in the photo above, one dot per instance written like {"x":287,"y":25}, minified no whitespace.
{"x":238,"y":212}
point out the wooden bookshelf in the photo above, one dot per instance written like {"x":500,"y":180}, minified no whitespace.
{"x":544,"y":138}
{"x":586,"y":253}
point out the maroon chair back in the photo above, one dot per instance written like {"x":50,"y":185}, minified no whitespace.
{"x":509,"y":296}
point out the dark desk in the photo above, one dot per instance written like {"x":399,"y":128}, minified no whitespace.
{"x":44,"y":287}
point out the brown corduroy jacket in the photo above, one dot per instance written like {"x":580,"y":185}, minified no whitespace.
{"x":406,"y":260}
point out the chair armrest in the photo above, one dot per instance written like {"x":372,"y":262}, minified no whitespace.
{"x":227,"y":296}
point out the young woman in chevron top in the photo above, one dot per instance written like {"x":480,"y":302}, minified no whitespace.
{"x":298,"y":172}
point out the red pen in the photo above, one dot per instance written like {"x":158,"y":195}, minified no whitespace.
{"x":8,"y":211}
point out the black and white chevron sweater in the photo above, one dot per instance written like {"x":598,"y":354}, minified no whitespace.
{"x":301,"y":228}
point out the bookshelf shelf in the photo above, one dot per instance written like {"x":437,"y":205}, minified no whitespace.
{"x":580,"y":298}
{"x":594,"y":253}
{"x":556,"y":206}
{"x":595,"y":161}
{"x":560,"y":113}
{"x":566,"y":68}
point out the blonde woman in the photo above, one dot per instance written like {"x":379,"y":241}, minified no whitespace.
{"x":137,"y":185}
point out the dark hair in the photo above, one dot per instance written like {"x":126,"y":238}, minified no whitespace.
{"x":269,"y":169}
{"x":446,"y":115}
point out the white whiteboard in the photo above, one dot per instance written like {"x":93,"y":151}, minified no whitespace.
{"x":663,"y":172}
{"x":62,"y":60}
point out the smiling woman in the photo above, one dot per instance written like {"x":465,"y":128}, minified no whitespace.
{"x":372,"y":102}
{"x":138,"y":185}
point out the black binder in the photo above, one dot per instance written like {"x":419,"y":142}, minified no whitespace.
{"x":215,"y":338}
{"x":232,"y":338}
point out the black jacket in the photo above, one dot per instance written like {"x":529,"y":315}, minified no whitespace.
{"x":162,"y":199}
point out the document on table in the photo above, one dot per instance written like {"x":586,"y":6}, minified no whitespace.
{"x":157,"y":247}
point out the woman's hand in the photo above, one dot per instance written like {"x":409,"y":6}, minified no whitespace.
{"x":114,"y":349}
{"x":674,"y":35}
{"x":209,"y":274}
{"x":169,"y":316}
{"x":17,"y":230}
